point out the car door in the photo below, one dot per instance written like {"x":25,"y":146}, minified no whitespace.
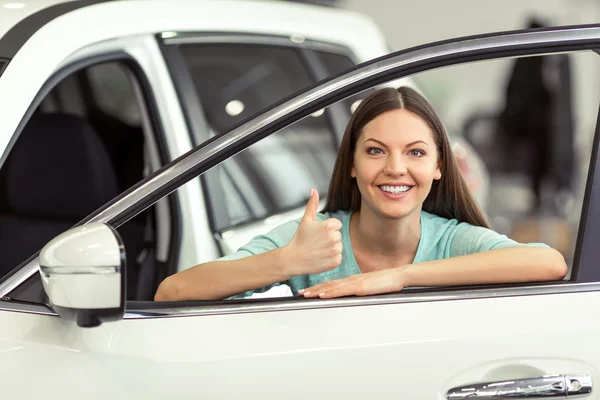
{"x":418,"y":344}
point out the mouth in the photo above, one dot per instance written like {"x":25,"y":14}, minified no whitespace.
{"x":395,"y":191}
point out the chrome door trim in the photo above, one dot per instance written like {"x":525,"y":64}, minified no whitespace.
{"x":391,"y":67}
{"x":81,"y":270}
{"x":547,"y":386}
{"x":405,"y":297}
{"x":284,"y":304}
{"x":38,"y":309}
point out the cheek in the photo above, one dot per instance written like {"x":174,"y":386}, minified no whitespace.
{"x":357,"y":167}
{"x":426,"y":171}
{"x":365,"y":169}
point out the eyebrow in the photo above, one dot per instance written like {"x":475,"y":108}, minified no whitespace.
{"x":408,"y":145}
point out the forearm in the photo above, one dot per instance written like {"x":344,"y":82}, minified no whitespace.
{"x":509,"y":265}
{"x":220,"y":279}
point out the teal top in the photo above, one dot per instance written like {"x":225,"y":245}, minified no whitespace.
{"x":440,"y":238}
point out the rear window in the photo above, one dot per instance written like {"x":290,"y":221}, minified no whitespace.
{"x":237,"y":81}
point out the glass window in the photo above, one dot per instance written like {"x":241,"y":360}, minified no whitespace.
{"x":113,"y":92}
{"x":235,"y":82}
{"x":335,"y":63}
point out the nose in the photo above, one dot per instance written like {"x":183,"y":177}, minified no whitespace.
{"x":395,"y":165}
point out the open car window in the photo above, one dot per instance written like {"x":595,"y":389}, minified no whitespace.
{"x":534,"y":132}
{"x":525,"y":156}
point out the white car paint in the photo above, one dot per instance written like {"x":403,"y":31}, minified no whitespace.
{"x":94,"y":252}
{"x":364,"y":348}
{"x":413,"y":351}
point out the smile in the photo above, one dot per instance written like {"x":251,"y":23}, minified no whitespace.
{"x":395,"y":189}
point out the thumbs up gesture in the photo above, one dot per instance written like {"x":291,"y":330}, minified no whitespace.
{"x":317,"y":245}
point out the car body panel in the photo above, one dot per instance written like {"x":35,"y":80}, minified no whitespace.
{"x":14,"y":15}
{"x":421,"y":352}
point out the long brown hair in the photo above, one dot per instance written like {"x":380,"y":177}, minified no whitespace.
{"x":449,"y":196}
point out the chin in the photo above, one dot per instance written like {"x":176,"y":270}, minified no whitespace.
{"x":397,"y":212}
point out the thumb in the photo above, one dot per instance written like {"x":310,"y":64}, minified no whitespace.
{"x":310,"y":214}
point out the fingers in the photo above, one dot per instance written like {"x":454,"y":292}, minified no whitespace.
{"x":333,"y":224}
{"x":379,"y":282}
{"x":310,"y":214}
{"x":340,"y":291}
{"x":336,"y":288}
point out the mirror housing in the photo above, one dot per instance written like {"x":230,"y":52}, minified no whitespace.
{"x":83,"y":273}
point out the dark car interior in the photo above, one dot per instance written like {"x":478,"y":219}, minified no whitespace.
{"x":71,"y":158}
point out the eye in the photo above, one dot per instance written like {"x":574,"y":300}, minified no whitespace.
{"x":375,"y":151}
{"x":416,"y":153}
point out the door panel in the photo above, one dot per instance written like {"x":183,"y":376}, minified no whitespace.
{"x":410,"y":350}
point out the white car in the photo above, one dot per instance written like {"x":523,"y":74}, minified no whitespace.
{"x":130,"y":95}
{"x":66,"y":328}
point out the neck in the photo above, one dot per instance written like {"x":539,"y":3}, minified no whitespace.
{"x":387,"y":237}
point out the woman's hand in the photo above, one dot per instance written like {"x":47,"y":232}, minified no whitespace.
{"x":316,"y":246}
{"x":507,"y":265}
{"x":378,"y":282}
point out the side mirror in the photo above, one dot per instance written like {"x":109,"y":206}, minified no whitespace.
{"x":83,"y":273}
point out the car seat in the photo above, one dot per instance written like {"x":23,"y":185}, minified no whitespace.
{"x":57,"y":173}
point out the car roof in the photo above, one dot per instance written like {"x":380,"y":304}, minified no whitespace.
{"x":17,"y":25}
{"x":12,"y":13}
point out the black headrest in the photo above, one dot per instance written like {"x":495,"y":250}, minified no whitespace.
{"x":58,"y":168}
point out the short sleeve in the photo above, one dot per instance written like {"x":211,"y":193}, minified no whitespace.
{"x":276,"y":238}
{"x":469,"y":239}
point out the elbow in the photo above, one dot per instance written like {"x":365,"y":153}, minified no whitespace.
{"x":556,"y":265}
{"x":168,"y":290}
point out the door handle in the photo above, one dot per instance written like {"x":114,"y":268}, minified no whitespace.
{"x":559,"y":386}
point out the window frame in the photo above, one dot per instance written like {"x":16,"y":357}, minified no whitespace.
{"x":586,"y":250}
{"x":3,"y":64}
{"x":32,"y":284}
{"x":367,"y":75}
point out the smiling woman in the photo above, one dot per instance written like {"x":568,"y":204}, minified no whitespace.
{"x":398,"y":214}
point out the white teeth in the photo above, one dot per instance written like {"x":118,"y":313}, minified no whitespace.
{"x":394,"y":189}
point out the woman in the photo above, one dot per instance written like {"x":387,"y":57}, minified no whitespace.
{"x":398,"y":214}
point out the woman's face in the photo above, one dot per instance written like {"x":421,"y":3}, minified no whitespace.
{"x":395,"y":163}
